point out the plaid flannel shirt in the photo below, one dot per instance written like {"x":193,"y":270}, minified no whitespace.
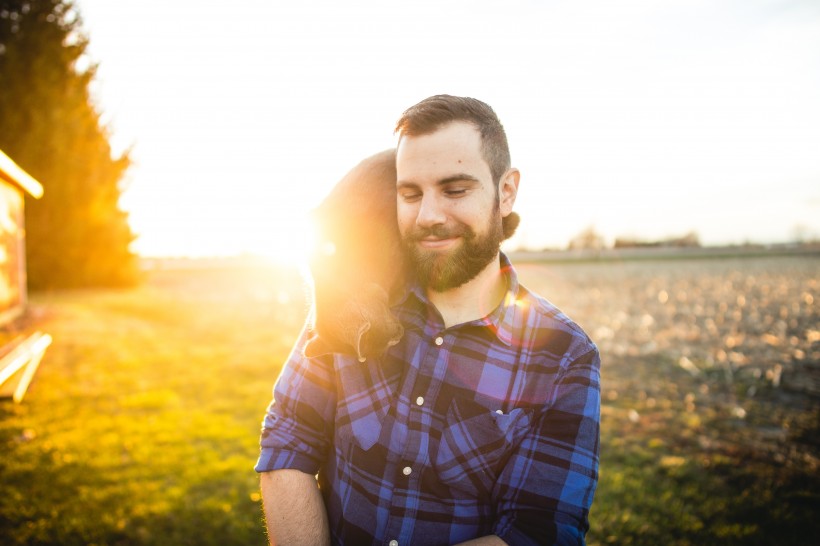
{"x":487,"y":427}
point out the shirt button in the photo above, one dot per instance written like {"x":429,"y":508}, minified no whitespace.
{"x":420,"y":401}
{"x":439,"y":340}
{"x":499,"y":412}
{"x":406,"y":470}
{"x":394,"y":543}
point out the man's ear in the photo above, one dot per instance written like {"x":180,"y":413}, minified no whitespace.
{"x":508,"y":190}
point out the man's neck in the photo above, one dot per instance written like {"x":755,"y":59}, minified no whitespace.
{"x":472,"y":300}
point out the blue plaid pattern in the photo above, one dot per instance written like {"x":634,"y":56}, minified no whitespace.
{"x":488,"y":427}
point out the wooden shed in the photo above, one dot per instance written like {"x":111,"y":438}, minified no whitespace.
{"x":14,"y":181}
{"x":20,"y":356}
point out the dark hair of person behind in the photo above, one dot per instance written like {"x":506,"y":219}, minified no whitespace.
{"x":433,"y":112}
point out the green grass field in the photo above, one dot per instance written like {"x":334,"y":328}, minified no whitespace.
{"x":141,"y":425}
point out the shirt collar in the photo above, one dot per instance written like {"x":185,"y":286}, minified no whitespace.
{"x":500,"y":321}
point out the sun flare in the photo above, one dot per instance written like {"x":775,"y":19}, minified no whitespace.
{"x":289,"y":245}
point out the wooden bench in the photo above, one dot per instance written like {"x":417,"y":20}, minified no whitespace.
{"x":18,"y":366}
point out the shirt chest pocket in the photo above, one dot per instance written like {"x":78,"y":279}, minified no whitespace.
{"x":476,"y":443}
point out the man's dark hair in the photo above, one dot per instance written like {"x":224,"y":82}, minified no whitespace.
{"x":427,"y":116}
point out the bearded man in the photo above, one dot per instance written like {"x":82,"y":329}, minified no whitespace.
{"x":481,"y":426}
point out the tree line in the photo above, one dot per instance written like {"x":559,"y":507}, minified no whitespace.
{"x":76,"y":234}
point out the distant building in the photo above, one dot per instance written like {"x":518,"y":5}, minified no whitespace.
{"x":20,"y":356}
{"x":14,"y":184}
{"x":690,"y":240}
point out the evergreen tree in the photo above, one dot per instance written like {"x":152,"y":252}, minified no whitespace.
{"x":76,"y":233}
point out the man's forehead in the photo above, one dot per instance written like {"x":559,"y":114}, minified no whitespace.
{"x":454,"y":145}
{"x":424,"y":176}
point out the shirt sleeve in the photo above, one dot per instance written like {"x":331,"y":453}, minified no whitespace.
{"x":544,"y":493}
{"x":298,"y":426}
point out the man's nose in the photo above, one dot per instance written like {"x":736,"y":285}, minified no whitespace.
{"x":431,"y":212}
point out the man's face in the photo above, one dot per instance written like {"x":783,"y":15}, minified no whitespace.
{"x":448,"y":207}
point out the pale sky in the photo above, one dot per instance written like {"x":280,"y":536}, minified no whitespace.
{"x":646,"y":118}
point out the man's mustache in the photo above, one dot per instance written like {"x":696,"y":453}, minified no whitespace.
{"x":438,"y":231}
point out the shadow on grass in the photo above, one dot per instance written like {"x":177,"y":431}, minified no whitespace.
{"x":679,"y":468}
{"x":648,"y":496}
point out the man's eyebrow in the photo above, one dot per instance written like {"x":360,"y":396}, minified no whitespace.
{"x":460,"y":177}
{"x":452,"y":179}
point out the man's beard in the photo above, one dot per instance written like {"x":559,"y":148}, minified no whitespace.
{"x":442,"y":271}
